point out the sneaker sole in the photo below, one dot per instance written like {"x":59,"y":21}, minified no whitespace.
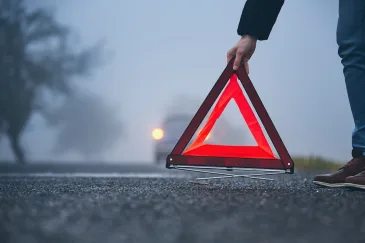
{"x":355,"y":186}
{"x":333,"y":185}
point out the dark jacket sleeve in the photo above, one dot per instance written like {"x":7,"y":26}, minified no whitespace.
{"x":258,"y":18}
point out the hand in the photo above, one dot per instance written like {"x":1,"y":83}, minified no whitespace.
{"x":243,"y":50}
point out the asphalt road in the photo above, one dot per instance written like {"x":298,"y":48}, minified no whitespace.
{"x":49,"y":203}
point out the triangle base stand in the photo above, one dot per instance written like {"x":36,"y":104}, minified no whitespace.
{"x":204,"y":158}
{"x":250,"y":173}
{"x":246,"y":172}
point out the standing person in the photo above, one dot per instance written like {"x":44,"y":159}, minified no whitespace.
{"x":256,"y":22}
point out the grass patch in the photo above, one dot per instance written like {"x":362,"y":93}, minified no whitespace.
{"x":316,"y":163}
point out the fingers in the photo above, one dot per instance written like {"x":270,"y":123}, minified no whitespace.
{"x":241,"y":57}
{"x":238,"y":59}
{"x":230,"y":54}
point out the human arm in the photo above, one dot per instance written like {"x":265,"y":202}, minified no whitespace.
{"x":257,"y":20}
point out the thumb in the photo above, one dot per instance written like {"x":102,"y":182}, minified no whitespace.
{"x":237,"y":60}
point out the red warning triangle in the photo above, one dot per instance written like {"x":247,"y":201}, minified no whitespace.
{"x":260,"y":156}
{"x":263,"y":150}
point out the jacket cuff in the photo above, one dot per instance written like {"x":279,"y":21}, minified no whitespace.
{"x":258,"y":18}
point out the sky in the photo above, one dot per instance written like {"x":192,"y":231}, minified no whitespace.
{"x":163,"y":49}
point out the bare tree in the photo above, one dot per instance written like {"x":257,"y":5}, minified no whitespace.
{"x":36,"y":56}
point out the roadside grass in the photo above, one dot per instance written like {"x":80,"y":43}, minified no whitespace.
{"x":315,"y":163}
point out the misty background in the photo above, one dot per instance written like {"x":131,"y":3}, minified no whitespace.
{"x":160,"y":51}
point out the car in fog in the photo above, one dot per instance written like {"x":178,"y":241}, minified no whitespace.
{"x":168,"y":134}
{"x":173,"y":126}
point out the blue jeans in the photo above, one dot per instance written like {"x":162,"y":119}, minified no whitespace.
{"x":351,"y":48}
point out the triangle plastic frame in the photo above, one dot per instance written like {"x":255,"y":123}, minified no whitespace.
{"x":218,"y":156}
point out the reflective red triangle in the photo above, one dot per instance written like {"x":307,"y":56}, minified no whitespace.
{"x":261,"y":156}
{"x":263,"y":150}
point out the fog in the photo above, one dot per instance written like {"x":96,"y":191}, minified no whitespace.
{"x":164,"y":49}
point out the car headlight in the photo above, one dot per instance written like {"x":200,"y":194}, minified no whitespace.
{"x":157,"y":134}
